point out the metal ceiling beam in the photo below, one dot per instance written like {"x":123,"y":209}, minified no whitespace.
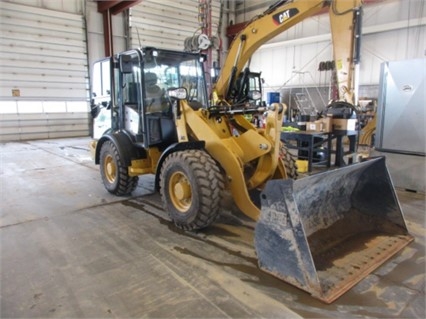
{"x":108,"y":9}
{"x":105,"y":5}
{"x":116,"y":6}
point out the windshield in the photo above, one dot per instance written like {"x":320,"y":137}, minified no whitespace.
{"x":168,"y":69}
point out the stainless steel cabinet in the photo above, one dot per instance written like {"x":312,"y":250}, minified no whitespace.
{"x":401,"y":108}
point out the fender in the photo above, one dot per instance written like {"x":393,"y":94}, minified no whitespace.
{"x":194,"y":145}
{"x":124,"y":144}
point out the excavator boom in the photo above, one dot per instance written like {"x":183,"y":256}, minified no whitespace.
{"x":281,"y":17}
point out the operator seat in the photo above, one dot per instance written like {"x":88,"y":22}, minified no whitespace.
{"x":154,"y":94}
{"x":161,"y":126}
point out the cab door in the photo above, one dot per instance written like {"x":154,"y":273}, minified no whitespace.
{"x":100,"y":102}
{"x":129,"y":94}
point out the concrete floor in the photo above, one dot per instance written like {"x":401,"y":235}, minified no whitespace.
{"x":69,"y":249}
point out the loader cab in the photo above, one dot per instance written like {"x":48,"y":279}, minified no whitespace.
{"x":142,"y":79}
{"x":247,"y":88}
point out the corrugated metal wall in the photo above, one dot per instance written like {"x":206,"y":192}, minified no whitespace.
{"x":44,"y":85}
{"x":44,"y":88}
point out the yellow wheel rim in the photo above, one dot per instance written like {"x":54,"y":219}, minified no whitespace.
{"x":180,"y":191}
{"x":110,"y":169}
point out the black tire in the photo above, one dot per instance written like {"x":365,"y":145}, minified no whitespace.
{"x":290,"y":169}
{"x":191,"y":185}
{"x":114,"y":173}
{"x":289,"y":162}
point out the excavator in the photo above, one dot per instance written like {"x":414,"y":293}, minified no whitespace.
{"x":321,"y":233}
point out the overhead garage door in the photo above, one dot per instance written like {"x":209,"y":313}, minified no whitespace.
{"x":44,"y":87}
{"x":167,"y":23}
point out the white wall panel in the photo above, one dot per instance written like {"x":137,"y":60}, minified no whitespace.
{"x":47,"y":48}
{"x":43,"y":119}
{"x":43,"y":62}
{"x":71,"y":6}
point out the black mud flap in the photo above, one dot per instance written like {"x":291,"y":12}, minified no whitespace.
{"x":326,"y":232}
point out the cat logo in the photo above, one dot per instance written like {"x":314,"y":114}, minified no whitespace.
{"x":281,"y":17}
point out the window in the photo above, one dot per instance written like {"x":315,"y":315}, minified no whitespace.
{"x":101,"y":80}
{"x":176,"y":69}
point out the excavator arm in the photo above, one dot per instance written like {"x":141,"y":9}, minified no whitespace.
{"x":279,"y":18}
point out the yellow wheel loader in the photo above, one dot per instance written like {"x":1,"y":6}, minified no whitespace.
{"x":322,"y":233}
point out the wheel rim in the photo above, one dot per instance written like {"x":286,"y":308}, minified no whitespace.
{"x":180,"y":191}
{"x":110,"y":169}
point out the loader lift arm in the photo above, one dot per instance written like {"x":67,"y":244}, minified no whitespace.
{"x":229,"y":90}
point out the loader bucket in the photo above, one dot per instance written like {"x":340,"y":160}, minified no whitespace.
{"x":326,"y":232}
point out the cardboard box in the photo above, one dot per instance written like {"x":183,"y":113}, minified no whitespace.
{"x":321,"y":125}
{"x":344,"y":124}
{"x":311,"y":126}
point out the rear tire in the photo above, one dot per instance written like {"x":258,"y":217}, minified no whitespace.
{"x":114,"y":173}
{"x":191,"y":185}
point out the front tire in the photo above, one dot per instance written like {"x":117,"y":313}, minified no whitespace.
{"x":191,"y":185}
{"x":114,"y":173}
{"x":289,"y":162}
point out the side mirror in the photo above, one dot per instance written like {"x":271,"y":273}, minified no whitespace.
{"x":178,"y":93}
{"x":254,"y":95}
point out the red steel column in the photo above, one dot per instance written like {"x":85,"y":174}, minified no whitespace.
{"x":108,"y":40}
